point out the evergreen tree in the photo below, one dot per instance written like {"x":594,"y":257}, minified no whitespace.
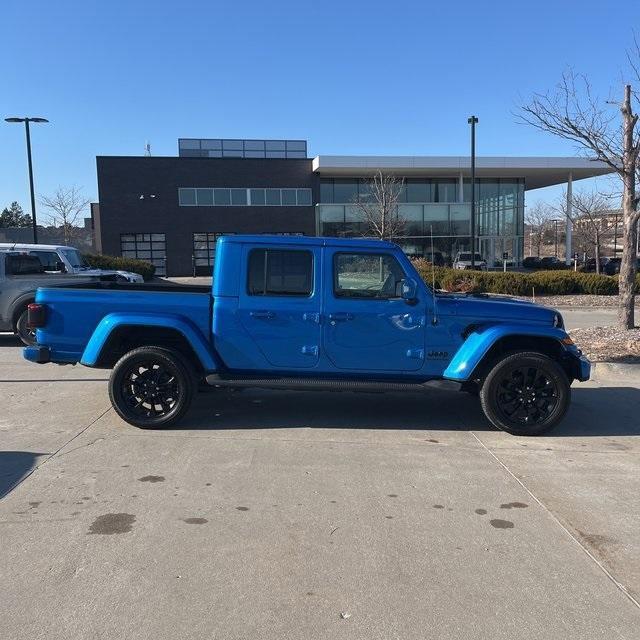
{"x":14,"y":216}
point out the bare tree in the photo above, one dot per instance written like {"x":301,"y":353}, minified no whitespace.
{"x":64,"y":208}
{"x":537,"y":218}
{"x":572,"y":112}
{"x":379,"y":208}
{"x":588,"y":218}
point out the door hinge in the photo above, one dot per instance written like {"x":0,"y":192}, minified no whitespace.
{"x":310,"y":349}
{"x":415,"y":353}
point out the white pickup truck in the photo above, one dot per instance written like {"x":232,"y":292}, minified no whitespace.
{"x":64,"y":259}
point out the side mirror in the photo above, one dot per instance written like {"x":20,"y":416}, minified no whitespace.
{"x":60,"y":267}
{"x":409,"y":289}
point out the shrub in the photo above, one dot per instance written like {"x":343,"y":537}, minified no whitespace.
{"x":99,"y":261}
{"x":555,"y":282}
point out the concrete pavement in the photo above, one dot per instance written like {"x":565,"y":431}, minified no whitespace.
{"x":313,"y":515}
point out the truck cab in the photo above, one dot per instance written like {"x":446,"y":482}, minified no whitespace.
{"x":310,"y":313}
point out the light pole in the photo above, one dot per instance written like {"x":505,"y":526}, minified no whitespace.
{"x":26,"y":121}
{"x":555,"y":235}
{"x":473,"y":121}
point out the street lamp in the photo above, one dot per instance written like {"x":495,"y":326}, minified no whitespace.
{"x":33,"y":197}
{"x":473,"y":121}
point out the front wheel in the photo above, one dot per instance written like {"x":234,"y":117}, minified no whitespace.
{"x":151,"y":387}
{"x":525,"y":394}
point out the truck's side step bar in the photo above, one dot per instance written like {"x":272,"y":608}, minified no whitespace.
{"x":327,"y":384}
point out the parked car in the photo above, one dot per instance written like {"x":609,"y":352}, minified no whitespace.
{"x":590,"y":265}
{"x":613,"y":266}
{"x":63,"y":259}
{"x":463,"y":261}
{"x":531,"y":262}
{"x":551,"y":262}
{"x":314,"y":314}
{"x":436,"y":259}
{"x":20,"y":276}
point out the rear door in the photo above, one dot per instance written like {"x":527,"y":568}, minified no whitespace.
{"x":368,"y":326}
{"x":279,"y":304}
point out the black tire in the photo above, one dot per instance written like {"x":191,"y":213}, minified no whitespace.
{"x":26,"y":334}
{"x":525,"y":394}
{"x":152,"y":387}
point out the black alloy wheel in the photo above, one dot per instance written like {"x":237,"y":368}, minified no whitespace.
{"x":151,"y":387}
{"x":525,"y":394}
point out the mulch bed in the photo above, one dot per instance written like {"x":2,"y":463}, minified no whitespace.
{"x":608,"y":344}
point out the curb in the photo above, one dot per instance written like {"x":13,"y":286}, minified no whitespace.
{"x":601,"y":371}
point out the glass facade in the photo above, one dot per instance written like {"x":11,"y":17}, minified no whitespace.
{"x":224,"y":148}
{"x":439,"y":207}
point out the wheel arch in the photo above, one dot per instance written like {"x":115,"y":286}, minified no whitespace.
{"x":485,"y":345}
{"x":113,"y":337}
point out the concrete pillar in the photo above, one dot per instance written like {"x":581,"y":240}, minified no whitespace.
{"x":460,"y":188}
{"x":569,"y":227}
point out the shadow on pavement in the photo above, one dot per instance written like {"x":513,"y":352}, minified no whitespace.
{"x":10,"y":340}
{"x":599,"y":411}
{"x":262,"y":409}
{"x":14,"y":466}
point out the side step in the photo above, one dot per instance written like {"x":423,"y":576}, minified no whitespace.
{"x":327,"y":384}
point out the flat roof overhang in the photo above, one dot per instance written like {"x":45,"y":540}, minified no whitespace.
{"x":537,"y":171}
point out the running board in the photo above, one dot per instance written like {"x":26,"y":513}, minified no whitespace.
{"x":328,"y":384}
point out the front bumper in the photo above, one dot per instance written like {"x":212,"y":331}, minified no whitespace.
{"x":579,"y":367}
{"x":41,"y":355}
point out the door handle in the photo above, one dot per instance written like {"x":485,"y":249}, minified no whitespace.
{"x":267,"y":315}
{"x":340,"y":317}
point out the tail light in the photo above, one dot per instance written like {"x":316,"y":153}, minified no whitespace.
{"x":36,"y":315}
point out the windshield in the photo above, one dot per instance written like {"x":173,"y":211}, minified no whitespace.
{"x":467,"y":256}
{"x":75,"y":258}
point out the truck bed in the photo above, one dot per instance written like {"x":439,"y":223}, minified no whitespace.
{"x":75,"y":310}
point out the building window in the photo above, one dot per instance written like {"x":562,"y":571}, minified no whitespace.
{"x":204,"y":252}
{"x":280,"y":273}
{"x":151,"y":247}
{"x":225,"y":197}
{"x":187,"y":197}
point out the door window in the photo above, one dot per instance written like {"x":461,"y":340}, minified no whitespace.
{"x":49,"y":259}
{"x":367,"y":275}
{"x":280,"y":273}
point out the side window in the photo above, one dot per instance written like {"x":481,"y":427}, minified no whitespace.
{"x":22,"y":265}
{"x":280,"y":273}
{"x":367,"y":275}
{"x":49,"y":259}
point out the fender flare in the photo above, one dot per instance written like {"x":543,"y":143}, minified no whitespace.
{"x":182,"y":325}
{"x":477,"y":345}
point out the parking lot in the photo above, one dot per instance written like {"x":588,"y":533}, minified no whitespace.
{"x":313,"y":515}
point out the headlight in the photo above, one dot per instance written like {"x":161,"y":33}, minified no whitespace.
{"x":558,"y":322}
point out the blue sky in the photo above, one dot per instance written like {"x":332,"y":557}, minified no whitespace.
{"x":351,"y":77}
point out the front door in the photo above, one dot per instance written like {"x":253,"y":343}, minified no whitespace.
{"x":368,"y":326}
{"x":280,"y":306}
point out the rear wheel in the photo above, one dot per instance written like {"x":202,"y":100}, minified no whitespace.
{"x":23,"y":331}
{"x":151,"y":387}
{"x":525,"y":394}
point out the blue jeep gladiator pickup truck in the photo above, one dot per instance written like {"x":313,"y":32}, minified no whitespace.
{"x":309,"y":313}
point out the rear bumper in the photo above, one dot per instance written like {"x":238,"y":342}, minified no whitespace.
{"x":41,"y":355}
